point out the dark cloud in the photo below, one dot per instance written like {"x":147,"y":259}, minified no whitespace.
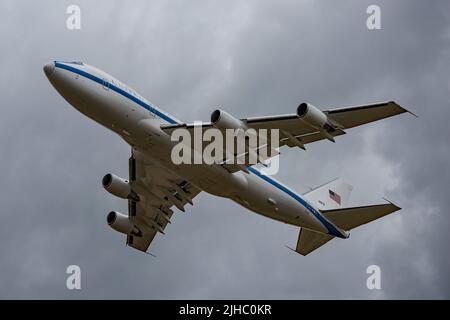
{"x":251,"y":58}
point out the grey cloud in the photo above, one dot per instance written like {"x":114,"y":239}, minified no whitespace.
{"x":251,"y":58}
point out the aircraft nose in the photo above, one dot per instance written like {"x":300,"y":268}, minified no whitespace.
{"x":49,"y":68}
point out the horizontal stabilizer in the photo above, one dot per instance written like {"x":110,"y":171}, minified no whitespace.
{"x":309,"y":241}
{"x":350,"y":218}
{"x":346,"y":219}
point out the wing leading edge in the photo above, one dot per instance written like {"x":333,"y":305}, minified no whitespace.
{"x":295,"y":132}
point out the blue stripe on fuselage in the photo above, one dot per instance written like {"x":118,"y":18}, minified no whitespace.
{"x":330,"y":227}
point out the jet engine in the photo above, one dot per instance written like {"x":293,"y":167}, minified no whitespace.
{"x":223,"y":120}
{"x":122,"y":223}
{"x":316,"y":119}
{"x":312,"y":115}
{"x":116,"y":186}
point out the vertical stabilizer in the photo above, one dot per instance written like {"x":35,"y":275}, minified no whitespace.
{"x":332,"y":195}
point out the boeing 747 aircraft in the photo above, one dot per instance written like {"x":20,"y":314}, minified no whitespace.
{"x":156,"y":186}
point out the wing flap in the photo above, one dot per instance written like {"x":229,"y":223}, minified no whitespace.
{"x":141,"y":243}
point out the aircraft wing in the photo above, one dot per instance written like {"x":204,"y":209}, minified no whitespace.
{"x":159,"y":191}
{"x":292,"y":126}
{"x":296,"y":132}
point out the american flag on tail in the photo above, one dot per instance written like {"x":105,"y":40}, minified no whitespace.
{"x":334,"y":196}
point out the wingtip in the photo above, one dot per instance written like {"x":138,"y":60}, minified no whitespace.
{"x":302,"y":254}
{"x":290,"y":248}
{"x":410,"y":112}
{"x":404,"y":110}
{"x":396,"y":206}
{"x":150,"y":254}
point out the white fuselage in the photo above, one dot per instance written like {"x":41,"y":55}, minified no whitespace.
{"x":116,"y":106}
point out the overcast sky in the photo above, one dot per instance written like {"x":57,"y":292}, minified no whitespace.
{"x":251,"y":58}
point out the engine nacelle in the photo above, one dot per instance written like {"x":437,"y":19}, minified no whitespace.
{"x":122,"y":223}
{"x":116,"y":185}
{"x":313,"y":116}
{"x":223,"y":120}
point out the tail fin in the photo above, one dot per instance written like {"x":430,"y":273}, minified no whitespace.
{"x":332,"y":195}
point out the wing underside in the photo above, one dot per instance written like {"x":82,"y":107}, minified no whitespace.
{"x":295,"y":132}
{"x":159,"y":191}
{"x":309,"y":241}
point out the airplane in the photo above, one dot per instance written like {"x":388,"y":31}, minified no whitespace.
{"x":156,"y":186}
